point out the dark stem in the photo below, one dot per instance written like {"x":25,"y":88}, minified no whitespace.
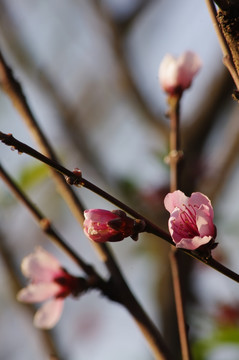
{"x":8,"y":139}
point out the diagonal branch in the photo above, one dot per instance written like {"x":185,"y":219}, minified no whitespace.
{"x":75,"y":178}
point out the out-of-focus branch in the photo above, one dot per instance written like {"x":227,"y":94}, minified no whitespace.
{"x":195,"y":135}
{"x":127,"y":21}
{"x":13,"y":89}
{"x":214,"y":180}
{"x":174,"y":161}
{"x":124,"y":68}
{"x":70,"y":115}
{"x":45,"y":224}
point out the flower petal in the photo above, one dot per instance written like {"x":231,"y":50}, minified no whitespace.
{"x":175,"y":199}
{"x":189,"y":64}
{"x":41,"y":266}
{"x":49,"y":314}
{"x":204,"y":222}
{"x":168,"y":72}
{"x":174,"y":224}
{"x":194,"y":243}
{"x":99,"y":215}
{"x":38,"y":292}
{"x":200,"y":199}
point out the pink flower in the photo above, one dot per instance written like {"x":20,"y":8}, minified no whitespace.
{"x":191,"y":219}
{"x":176,"y":75}
{"x":49,"y":281}
{"x":103,"y":225}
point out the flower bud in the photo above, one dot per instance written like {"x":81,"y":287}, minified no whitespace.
{"x":103,"y":225}
{"x":176,"y":74}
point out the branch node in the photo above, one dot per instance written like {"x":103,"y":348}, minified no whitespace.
{"x":45,"y":224}
{"x":173,"y":155}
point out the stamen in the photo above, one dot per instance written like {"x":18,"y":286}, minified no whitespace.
{"x":187,"y":227}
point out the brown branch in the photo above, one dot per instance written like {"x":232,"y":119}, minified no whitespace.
{"x":74,"y":178}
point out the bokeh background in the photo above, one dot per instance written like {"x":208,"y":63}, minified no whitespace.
{"x":89,"y":71}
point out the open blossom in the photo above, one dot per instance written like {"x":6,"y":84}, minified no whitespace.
{"x":191,"y":219}
{"x":103,"y":225}
{"x":49,"y":281}
{"x":176,"y":74}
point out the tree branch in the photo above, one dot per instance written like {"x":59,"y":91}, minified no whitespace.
{"x":76,"y":179}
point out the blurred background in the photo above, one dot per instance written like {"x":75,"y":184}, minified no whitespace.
{"x":89,"y":72}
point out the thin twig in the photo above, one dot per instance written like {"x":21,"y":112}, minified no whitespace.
{"x":77,"y":180}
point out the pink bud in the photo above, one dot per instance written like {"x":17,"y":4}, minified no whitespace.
{"x":176,"y":74}
{"x":103,"y":225}
{"x":191,"y":219}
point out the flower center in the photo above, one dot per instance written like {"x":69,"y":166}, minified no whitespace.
{"x":187,"y":226}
